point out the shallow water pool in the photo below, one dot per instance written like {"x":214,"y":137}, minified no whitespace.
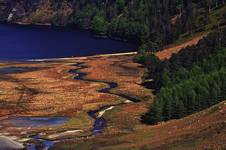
{"x":34,"y":121}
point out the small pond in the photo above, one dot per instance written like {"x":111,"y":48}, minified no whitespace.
{"x":34,"y":121}
{"x":9,"y":70}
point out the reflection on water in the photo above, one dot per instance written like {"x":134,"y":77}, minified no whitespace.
{"x":45,"y":144}
{"x":38,"y":42}
{"x":34,"y":121}
{"x":9,"y":70}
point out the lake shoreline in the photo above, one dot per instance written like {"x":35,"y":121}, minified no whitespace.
{"x":82,"y":57}
{"x":67,"y":58}
{"x":74,"y":27}
{"x":56,"y":73}
{"x":28,"y":42}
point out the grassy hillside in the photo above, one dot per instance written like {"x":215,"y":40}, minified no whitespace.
{"x":203,"y":130}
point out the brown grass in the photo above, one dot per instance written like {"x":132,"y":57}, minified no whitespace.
{"x":51,"y":91}
{"x":122,"y":70}
{"x":57,"y":94}
{"x":203,"y":130}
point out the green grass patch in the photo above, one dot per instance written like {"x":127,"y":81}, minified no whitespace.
{"x":80,"y":121}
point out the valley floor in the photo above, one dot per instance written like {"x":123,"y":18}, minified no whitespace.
{"x":46,"y":88}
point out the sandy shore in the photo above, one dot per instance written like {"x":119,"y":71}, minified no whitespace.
{"x":84,"y":57}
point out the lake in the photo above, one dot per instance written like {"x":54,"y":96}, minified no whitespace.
{"x":39,"y":42}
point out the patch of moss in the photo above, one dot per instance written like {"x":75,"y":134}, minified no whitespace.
{"x":80,"y":121}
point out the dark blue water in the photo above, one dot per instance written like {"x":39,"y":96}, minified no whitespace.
{"x":37,"y":42}
{"x":35,"y":121}
{"x":10,"y":70}
{"x":45,"y":144}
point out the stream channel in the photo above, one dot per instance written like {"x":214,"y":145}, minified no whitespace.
{"x":99,"y":124}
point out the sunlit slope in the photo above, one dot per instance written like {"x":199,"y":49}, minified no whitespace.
{"x":203,"y":130}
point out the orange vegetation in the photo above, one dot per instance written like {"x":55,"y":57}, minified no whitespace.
{"x":203,"y":130}
{"x":51,"y":90}
{"x":119,"y":69}
{"x":168,"y":52}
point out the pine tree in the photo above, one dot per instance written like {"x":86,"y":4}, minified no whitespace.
{"x":178,"y":109}
{"x":165,"y":77}
{"x":191,"y":96}
{"x":154,"y":115}
{"x":167,"y":109}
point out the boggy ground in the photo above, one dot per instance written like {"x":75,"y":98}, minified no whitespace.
{"x":202,"y":130}
{"x":205,"y":130}
{"x":50,"y":90}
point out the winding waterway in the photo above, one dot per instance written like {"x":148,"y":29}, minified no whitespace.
{"x":39,"y":42}
{"x":42,"y":42}
{"x":100,"y":123}
{"x":110,"y":85}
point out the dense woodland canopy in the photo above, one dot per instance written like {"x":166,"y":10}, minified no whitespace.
{"x":151,"y":23}
{"x":192,"y":80}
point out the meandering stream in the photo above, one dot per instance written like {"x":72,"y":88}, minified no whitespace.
{"x":100,"y":123}
{"x":98,"y":126}
{"x":110,"y":85}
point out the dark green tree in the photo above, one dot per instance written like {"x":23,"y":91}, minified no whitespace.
{"x":99,"y":25}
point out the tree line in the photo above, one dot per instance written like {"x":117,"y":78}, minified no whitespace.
{"x":190,"y":81}
{"x":184,"y":59}
{"x":151,"y":23}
